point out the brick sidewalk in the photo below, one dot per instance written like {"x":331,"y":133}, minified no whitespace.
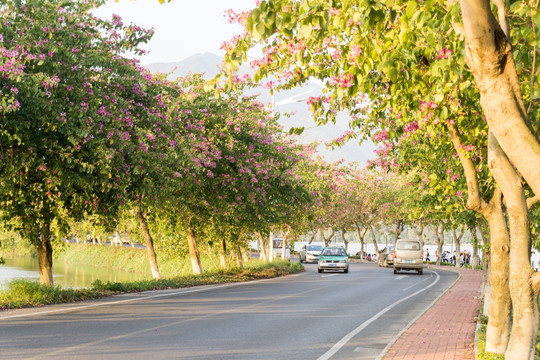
{"x":446,"y":330}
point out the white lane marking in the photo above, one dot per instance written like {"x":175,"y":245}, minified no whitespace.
{"x":416,"y":283}
{"x":329,"y":275}
{"x":401,"y":277}
{"x":362,"y":326}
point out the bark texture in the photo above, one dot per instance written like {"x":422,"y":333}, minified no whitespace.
{"x":497,"y":331}
{"x":488,"y":53}
{"x":193,"y":251}
{"x":149,"y":245}
{"x":524,"y":296}
{"x":45,"y":259}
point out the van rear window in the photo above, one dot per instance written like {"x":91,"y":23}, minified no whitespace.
{"x":408,"y":245}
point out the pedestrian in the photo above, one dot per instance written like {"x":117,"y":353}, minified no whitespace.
{"x":427,"y":255}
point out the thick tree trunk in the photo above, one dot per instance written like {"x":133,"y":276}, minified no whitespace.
{"x":149,"y":245}
{"x":45,"y":259}
{"x":222,"y":253}
{"x":193,"y":251}
{"x":488,"y":52}
{"x":524,"y":296}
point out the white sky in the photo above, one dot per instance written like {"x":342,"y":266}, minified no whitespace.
{"x":182,"y":27}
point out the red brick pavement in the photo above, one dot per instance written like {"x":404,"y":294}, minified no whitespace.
{"x":446,"y":331}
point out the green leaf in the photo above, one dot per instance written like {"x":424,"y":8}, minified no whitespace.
{"x":305,"y":31}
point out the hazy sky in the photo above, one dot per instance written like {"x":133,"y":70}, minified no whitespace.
{"x":182,"y":27}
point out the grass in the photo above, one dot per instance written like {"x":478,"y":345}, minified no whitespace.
{"x":24,"y":293}
{"x":130,"y":259}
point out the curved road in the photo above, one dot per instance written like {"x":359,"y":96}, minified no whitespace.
{"x":304,"y":316}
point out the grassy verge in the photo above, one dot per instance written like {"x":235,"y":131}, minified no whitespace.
{"x":24,"y":293}
{"x":129,"y":259}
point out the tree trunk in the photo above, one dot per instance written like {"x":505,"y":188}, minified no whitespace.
{"x":499,"y":304}
{"x":329,"y":238}
{"x":314,"y":232}
{"x":345,"y":242}
{"x":222,"y":253}
{"x":457,"y":243}
{"x":474,"y":236}
{"x":239,"y":261}
{"x":262,"y":248}
{"x":374,"y":239}
{"x":285,"y":241}
{"x":439,"y":236}
{"x":193,"y":251}
{"x":149,"y":245}
{"x":523,"y":294}
{"x":399,"y":230}
{"x":488,"y":53}
{"x":45,"y":259}
{"x":421,"y":232}
{"x":361,"y":238}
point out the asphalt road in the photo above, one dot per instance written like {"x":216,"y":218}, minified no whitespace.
{"x":304,"y":316}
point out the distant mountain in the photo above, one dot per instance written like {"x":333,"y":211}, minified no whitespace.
{"x":206,"y":63}
{"x":290,"y":101}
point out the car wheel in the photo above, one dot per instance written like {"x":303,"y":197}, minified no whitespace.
{"x":395,"y":271}
{"x":420,"y":272}
{"x":319,"y":270}
{"x":346,"y":271}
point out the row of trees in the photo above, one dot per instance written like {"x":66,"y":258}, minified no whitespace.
{"x":91,"y":143}
{"x":451,"y":101}
{"x":87,"y":135}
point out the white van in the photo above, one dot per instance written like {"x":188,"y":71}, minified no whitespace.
{"x":408,"y":255}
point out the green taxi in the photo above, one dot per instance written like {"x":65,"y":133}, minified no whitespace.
{"x":334,"y":258}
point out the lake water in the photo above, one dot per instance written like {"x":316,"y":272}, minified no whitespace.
{"x":66,"y":275}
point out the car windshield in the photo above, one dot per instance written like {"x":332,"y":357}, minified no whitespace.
{"x":334,"y":252}
{"x":408,"y":245}
{"x":314,"y":248}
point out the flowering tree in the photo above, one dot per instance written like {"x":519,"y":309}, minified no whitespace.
{"x":383,"y":64}
{"x":59,"y":66}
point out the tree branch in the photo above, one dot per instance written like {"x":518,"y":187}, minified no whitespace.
{"x":474,"y":200}
{"x":502,"y":13}
{"x":532,"y":200}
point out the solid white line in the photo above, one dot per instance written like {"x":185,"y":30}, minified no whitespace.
{"x":329,"y":275}
{"x":400,"y":277}
{"x":362,"y":326}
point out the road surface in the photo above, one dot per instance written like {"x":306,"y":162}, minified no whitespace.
{"x":303,"y":316}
